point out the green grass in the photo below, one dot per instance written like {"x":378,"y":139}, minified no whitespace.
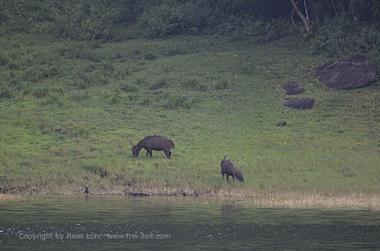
{"x":70,"y":109}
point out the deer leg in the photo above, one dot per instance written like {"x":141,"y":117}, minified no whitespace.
{"x":167,"y":153}
{"x":227,"y":178}
{"x":148,"y":152}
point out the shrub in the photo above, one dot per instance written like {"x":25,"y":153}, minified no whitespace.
{"x":90,"y":67}
{"x":87,"y":80}
{"x":15,"y":83}
{"x":83,"y":81}
{"x":5,"y":93}
{"x":38,"y":73}
{"x":195,"y":85}
{"x":74,"y":50}
{"x":176,"y":51}
{"x":133,"y":97}
{"x":83,"y":19}
{"x":53,"y":99}
{"x":171,"y":18}
{"x":264,"y":31}
{"x":107,"y":68}
{"x":174,"y":102}
{"x":4,"y":60}
{"x":115,"y":99}
{"x":41,"y":92}
{"x":71,"y":132}
{"x":137,"y":52}
{"x":343,"y":36}
{"x":140,"y":82}
{"x":150,"y":56}
{"x":99,"y":170}
{"x":221,"y":85}
{"x":158,"y":84}
{"x":14,"y":62}
{"x":48,"y":58}
{"x":79,"y":96}
{"x":146,"y":101}
{"x":80,"y":50}
{"x":128,"y":88}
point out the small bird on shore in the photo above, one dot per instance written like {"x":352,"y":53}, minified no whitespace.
{"x":86,"y":191}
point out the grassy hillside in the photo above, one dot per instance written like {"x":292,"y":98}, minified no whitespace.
{"x":70,"y":109}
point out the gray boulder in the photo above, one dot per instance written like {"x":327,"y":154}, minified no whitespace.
{"x":300,"y":103}
{"x":292,"y":88}
{"x":355,"y":72}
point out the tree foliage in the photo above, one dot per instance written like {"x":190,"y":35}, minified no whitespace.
{"x":106,"y":19}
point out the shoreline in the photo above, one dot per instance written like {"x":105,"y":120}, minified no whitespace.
{"x":262,"y":198}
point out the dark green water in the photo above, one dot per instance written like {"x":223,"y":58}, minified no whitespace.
{"x":119,"y":223}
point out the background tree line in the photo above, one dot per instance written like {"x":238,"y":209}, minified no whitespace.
{"x":335,"y":25}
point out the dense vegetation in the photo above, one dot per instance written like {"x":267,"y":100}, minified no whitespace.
{"x":80,"y":79}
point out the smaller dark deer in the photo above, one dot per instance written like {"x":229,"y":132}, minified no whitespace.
{"x":228,"y":169}
{"x":157,"y":143}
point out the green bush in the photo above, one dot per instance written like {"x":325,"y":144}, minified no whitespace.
{"x":221,"y":85}
{"x":173,"y":102}
{"x":344,"y":36}
{"x":74,"y":50}
{"x":177,"y":51}
{"x":40,"y":72}
{"x":128,"y":88}
{"x":53,"y":98}
{"x":158,"y":84}
{"x":4,"y":60}
{"x":194,"y":85}
{"x":146,"y":101}
{"x":16,"y":84}
{"x":14,"y":61}
{"x":5,"y":93}
{"x":83,"y":19}
{"x":173,"y":18}
{"x":80,"y":50}
{"x":99,"y":170}
{"x":71,"y":132}
{"x":87,"y":80}
{"x":46,"y":58}
{"x":150,"y":56}
{"x":44,"y":91}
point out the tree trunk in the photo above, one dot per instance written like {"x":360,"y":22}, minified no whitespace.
{"x":303,"y":18}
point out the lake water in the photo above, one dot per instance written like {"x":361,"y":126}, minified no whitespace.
{"x":119,"y":223}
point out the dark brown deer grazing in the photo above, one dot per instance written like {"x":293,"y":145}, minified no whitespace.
{"x":228,"y":169}
{"x":157,"y":143}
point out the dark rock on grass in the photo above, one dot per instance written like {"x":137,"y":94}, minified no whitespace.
{"x":292,"y":88}
{"x":300,"y":103}
{"x":281,"y":123}
{"x":357,"y":71}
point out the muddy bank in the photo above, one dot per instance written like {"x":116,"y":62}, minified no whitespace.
{"x":258,"y":198}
